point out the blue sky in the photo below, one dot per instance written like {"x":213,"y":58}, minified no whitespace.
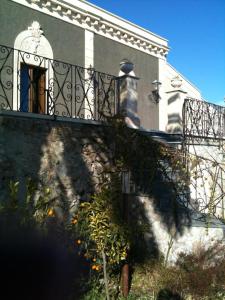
{"x":195,"y":30}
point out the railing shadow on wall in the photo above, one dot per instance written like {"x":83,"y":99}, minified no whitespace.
{"x":203,"y":145}
{"x":31,"y":83}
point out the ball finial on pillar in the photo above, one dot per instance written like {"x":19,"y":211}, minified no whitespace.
{"x":126,"y":66}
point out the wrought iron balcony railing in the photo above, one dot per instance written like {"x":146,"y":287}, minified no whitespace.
{"x":31,"y":83}
{"x":202,"y":119}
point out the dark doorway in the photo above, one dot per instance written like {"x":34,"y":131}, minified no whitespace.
{"x":32,"y":89}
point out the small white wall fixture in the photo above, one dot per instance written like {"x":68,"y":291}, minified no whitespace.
{"x":31,"y":48}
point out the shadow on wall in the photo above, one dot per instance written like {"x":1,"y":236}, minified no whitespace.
{"x":52,"y":154}
{"x":173,"y":98}
{"x":49,"y":153}
{"x":70,"y":159}
{"x":152,"y":99}
{"x":156,"y":181}
{"x":174,"y":124}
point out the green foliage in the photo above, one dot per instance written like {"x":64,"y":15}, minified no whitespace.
{"x":101,"y":226}
{"x":94,"y":289}
{"x":197,"y":276}
{"x":204,"y":271}
{"x":27,"y":209}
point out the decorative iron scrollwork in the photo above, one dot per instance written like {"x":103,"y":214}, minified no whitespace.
{"x":203,"y":119}
{"x":70,"y":91}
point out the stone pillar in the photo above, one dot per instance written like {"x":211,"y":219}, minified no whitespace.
{"x":176,"y":98}
{"x":128,"y":95}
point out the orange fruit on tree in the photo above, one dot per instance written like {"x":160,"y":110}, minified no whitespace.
{"x":97,"y":268}
{"x":50,"y":212}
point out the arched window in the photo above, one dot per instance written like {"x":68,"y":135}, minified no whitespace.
{"x":32,"y":70}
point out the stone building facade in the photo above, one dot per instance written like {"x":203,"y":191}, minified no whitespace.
{"x":65,"y":153}
{"x":82,"y":34}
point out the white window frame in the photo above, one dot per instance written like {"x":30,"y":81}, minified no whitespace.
{"x":34,"y":42}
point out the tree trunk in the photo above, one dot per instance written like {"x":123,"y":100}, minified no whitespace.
{"x":125,"y":267}
{"x":105,"y":276}
{"x":125,"y":279}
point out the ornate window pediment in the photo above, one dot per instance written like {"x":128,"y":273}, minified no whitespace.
{"x":33,"y":41}
{"x":32,"y":70}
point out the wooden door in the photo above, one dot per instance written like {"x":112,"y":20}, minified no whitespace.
{"x":32,"y":89}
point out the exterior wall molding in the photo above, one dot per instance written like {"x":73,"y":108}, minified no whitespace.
{"x":102,"y":23}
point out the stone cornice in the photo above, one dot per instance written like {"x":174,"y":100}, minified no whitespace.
{"x":101,"y":22}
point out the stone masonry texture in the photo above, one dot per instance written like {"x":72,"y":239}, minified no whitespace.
{"x":64,"y":156}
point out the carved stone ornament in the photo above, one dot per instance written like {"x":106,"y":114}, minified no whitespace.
{"x":35,"y":29}
{"x":36,"y":34}
{"x":176,"y":82}
{"x":32,"y":41}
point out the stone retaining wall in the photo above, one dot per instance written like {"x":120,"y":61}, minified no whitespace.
{"x":64,"y":156}
{"x":68,"y":157}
